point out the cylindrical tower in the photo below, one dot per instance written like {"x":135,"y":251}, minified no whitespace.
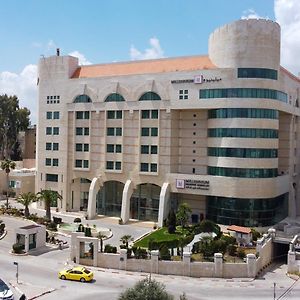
{"x":246,"y":43}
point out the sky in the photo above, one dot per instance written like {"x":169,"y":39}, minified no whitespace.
{"x":101,"y":31}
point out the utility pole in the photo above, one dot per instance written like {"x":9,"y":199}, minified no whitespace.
{"x":274,"y":291}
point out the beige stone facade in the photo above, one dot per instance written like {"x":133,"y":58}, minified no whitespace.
{"x":135,"y":139}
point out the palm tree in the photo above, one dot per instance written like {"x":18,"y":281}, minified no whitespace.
{"x":101,"y":236}
{"x":49,"y":197}
{"x":125,"y":239}
{"x":7,"y":165}
{"x":26,"y":199}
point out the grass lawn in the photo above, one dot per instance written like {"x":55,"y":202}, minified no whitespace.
{"x":161,"y":234}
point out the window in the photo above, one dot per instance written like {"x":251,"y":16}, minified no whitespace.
{"x":183,"y":94}
{"x":153,"y":149}
{"x":144,"y":149}
{"x":145,"y":131}
{"x":114,"y":114}
{"x":118,"y":165}
{"x":52,"y":177}
{"x":55,"y":162}
{"x":56,"y":115}
{"x":55,"y":146}
{"x":86,"y":164}
{"x":257,"y":73}
{"x":82,"y":99}
{"x":154,"y":131}
{"x":86,"y":131}
{"x":55,"y":130}
{"x":86,"y":147}
{"x":243,"y":133}
{"x":78,"y":163}
{"x":80,"y":115}
{"x":147,"y":114}
{"x":48,"y":146}
{"x":144,"y":167}
{"x":243,"y":93}
{"x":153,"y":167}
{"x":242,"y":152}
{"x":81,"y":147}
{"x":109,"y":165}
{"x":118,"y":148}
{"x":118,"y":131}
{"x":78,"y":147}
{"x":150,"y":96}
{"x":114,"y":97}
{"x":49,"y":115}
{"x":255,"y":113}
{"x":110,"y":131}
{"x":48,"y":162}
{"x":110,"y":148}
{"x":48,"y":130}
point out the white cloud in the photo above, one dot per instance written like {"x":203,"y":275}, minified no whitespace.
{"x":81,"y":57}
{"x":151,"y":53}
{"x":287,"y":14}
{"x":251,"y":14}
{"x":22,"y":85}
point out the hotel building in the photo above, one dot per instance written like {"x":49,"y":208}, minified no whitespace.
{"x":135,"y":139}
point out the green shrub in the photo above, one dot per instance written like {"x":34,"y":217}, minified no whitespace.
{"x":164,"y":253}
{"x":87,"y":231}
{"x":231,"y":249}
{"x":230,"y":240}
{"x":52,"y":226}
{"x":255,"y":234}
{"x":110,"y":249}
{"x":140,"y":253}
{"x":33,"y":217}
{"x":241,"y":253}
{"x":2,"y":227}
{"x":80,"y":228}
{"x":18,"y":248}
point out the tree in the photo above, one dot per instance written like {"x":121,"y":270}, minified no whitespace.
{"x":183,"y":214}
{"x":7,"y":165}
{"x":49,"y":197}
{"x":101,"y":237}
{"x":171,"y":222}
{"x":13,"y":119}
{"x":125,"y":239}
{"x":146,"y":289}
{"x":26,"y":199}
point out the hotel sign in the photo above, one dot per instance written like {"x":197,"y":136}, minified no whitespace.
{"x":198,"y":79}
{"x":192,"y":184}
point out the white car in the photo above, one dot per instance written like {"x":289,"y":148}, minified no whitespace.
{"x":5,"y":292}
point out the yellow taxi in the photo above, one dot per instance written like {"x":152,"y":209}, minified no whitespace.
{"x":76,"y":273}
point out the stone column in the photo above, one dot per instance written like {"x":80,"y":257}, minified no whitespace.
{"x":272,"y":232}
{"x":292,"y":263}
{"x":26,"y":242}
{"x":94,"y":188}
{"x":74,"y":248}
{"x":127,"y":192}
{"x":186,"y":263}
{"x":154,"y":261}
{"x":123,"y":259}
{"x":251,"y":265}
{"x":164,"y":198}
{"x":218,"y":259}
{"x":259,"y":244}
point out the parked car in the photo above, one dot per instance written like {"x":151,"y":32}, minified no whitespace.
{"x":76,"y":273}
{"x":5,"y":292}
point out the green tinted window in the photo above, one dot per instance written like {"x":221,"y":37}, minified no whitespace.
{"x":149,"y":96}
{"x":224,"y":113}
{"x":114,"y":97}
{"x":82,"y":99}
{"x":242,"y":152}
{"x":243,"y":133}
{"x":257,"y":73}
{"x":109,"y":165}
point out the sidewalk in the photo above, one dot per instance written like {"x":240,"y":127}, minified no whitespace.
{"x":30,"y":291}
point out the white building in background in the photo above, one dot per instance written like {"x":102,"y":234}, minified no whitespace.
{"x":135,"y":139}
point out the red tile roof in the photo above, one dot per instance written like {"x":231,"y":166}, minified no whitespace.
{"x":187,"y":63}
{"x":240,"y":229}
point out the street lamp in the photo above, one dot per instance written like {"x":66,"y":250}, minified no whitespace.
{"x":17,"y":274}
{"x":274,"y":290}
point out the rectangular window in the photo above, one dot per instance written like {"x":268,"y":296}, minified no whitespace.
{"x":183,"y":94}
{"x":118,"y":165}
{"x":86,"y":131}
{"x":48,"y":130}
{"x":145,"y":131}
{"x":86,"y":164}
{"x":55,"y":130}
{"x":145,"y":114}
{"x":110,"y":148}
{"x":79,"y":115}
{"x":48,"y":146}
{"x":78,"y":163}
{"x":118,"y":148}
{"x":49,"y":115}
{"x":55,"y":146}
{"x":55,"y":162}
{"x":110,"y":114}
{"x":144,"y":149}
{"x":56,"y":115}
{"x":153,"y":149}
{"x":78,"y":147}
{"x":118,"y":131}
{"x":86,"y":147}
{"x":119,"y":114}
{"x":154,"y":114}
{"x":144,"y":167}
{"x":154,"y":131}
{"x":109,"y":165}
{"x":153,"y":167}
{"x":48,"y":162}
{"x":110,"y":131}
{"x":52,"y":177}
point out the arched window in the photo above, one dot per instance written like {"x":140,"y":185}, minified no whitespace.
{"x":149,"y":96}
{"x":82,"y":99}
{"x":114,"y":97}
